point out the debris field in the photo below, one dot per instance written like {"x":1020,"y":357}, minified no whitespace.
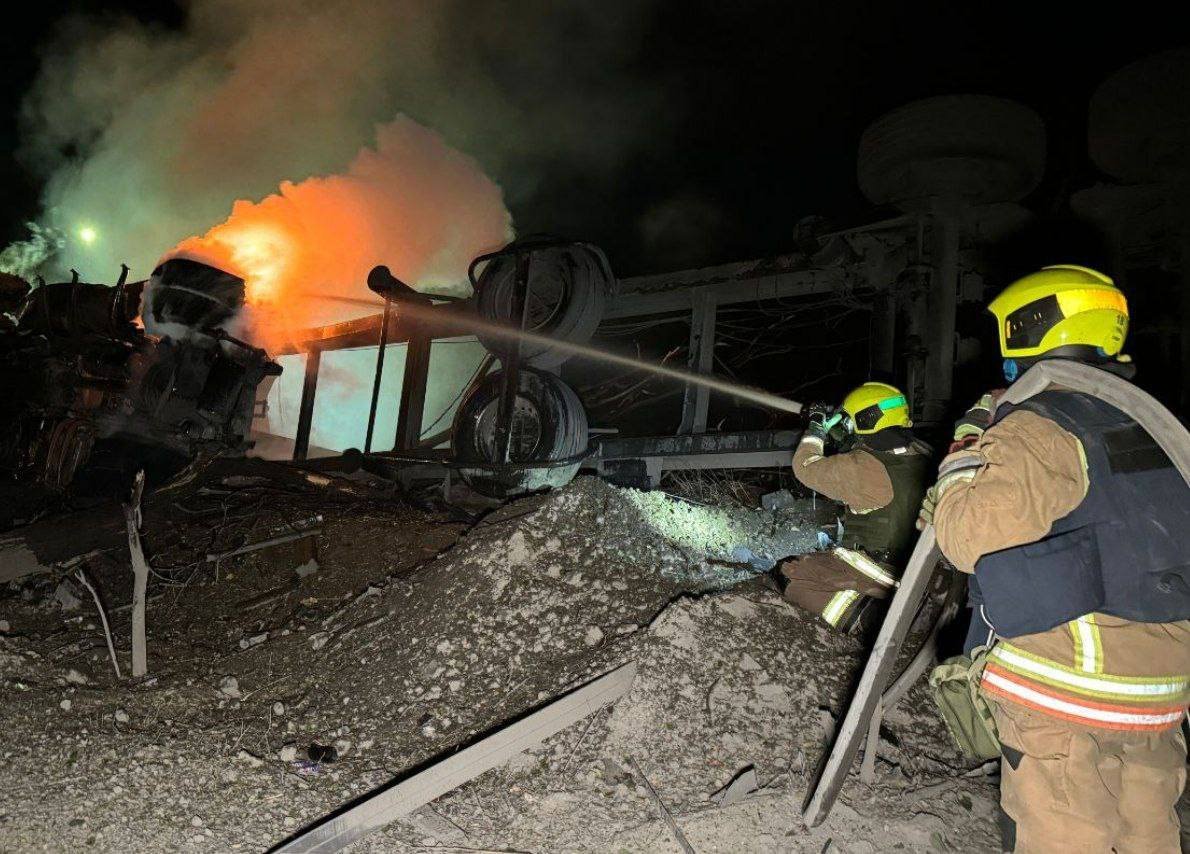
{"x":288,"y":681}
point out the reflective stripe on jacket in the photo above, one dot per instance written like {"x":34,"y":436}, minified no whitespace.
{"x":1098,"y":671}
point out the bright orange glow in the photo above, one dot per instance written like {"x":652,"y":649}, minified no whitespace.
{"x":412,"y":203}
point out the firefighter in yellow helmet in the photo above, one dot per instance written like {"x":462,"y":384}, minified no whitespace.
{"x":880,"y":479}
{"x":1075,"y":525}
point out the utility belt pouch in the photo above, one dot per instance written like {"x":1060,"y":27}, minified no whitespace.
{"x":967,"y":714}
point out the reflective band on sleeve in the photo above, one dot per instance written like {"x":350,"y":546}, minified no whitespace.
{"x":946,"y":481}
{"x":1139,"y":689}
{"x":838,"y":605}
{"x":861,"y":563}
{"x":812,"y":440}
{"x":1088,"y":649}
{"x":1116,"y":717}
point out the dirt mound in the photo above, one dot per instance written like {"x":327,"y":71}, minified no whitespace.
{"x":420,"y":655}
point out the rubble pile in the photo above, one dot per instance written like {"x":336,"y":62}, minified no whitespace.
{"x":258,"y":720}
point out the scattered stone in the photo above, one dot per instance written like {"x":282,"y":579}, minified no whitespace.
{"x":229,"y":686}
{"x":594,"y":636}
{"x":246,"y":643}
{"x":196,"y":822}
{"x":122,"y":717}
{"x":65,"y":705}
{"x":278,"y":709}
{"x":65,"y":596}
{"x":308,"y":568}
{"x":778,"y":500}
{"x":4,"y":627}
{"x":251,"y":759}
{"x":287,"y":753}
{"x":318,"y":639}
{"x":76,"y":678}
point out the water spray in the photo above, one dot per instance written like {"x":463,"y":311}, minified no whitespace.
{"x":418,"y":306}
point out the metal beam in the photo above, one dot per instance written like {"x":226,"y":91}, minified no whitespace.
{"x":379,"y":375}
{"x":752,"y":288}
{"x":413,"y":392}
{"x":447,"y":320}
{"x":700,"y":359}
{"x":697,"y":444}
{"x":301,"y":442}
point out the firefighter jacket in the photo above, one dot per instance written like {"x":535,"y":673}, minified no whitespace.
{"x":1049,"y":510}
{"x":881,"y":480}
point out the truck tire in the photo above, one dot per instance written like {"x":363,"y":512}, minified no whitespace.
{"x":549,"y":435}
{"x":975,"y":148}
{"x":568,"y":287}
{"x":1138,"y":127}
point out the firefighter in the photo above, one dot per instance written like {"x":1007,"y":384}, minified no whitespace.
{"x":880,"y":480}
{"x":1075,"y":525}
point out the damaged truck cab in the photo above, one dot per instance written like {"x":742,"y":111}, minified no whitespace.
{"x":102,"y":380}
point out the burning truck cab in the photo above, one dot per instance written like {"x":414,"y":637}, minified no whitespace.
{"x":103,"y":380}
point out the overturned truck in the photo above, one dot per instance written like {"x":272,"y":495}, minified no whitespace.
{"x":102,"y":381}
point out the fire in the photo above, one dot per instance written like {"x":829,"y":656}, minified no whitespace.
{"x":412,"y":203}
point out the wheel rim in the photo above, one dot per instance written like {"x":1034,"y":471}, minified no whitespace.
{"x":527,"y":430}
{"x":548,"y":298}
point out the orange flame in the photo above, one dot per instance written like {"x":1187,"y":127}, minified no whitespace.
{"x":412,"y":203}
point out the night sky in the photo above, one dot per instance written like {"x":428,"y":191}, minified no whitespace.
{"x":771,"y":99}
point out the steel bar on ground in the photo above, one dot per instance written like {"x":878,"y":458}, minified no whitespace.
{"x":263,"y":544}
{"x":663,"y":809}
{"x":403,"y":797}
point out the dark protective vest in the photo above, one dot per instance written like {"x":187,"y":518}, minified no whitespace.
{"x":1125,"y":550}
{"x":888,"y":534}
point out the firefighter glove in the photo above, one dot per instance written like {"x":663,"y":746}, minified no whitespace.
{"x":977,"y":419}
{"x":821,"y":418}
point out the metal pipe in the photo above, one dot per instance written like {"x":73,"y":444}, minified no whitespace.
{"x":212,"y":557}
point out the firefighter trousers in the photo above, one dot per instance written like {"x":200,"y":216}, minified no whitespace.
{"x":824,"y":584}
{"x":1071,"y":788}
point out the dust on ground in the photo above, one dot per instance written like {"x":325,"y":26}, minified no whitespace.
{"x":418,"y":630}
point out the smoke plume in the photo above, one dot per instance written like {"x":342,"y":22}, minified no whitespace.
{"x":411,"y":202}
{"x":146,"y":135}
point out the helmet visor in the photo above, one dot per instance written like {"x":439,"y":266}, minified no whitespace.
{"x":1028,"y":325}
{"x":869,"y":416}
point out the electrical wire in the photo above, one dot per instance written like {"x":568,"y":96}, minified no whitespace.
{"x":450,"y":406}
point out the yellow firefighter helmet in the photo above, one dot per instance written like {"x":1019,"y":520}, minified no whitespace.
{"x":1061,"y":306}
{"x":875,"y":406}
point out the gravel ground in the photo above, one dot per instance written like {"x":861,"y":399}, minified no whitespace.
{"x":418,"y":632}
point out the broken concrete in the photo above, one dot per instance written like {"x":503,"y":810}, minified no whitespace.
{"x":408,"y":643}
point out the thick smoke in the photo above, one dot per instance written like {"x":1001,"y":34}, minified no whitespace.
{"x":337,"y":134}
{"x":25,"y":258}
{"x":410,"y":202}
{"x":147,"y":135}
